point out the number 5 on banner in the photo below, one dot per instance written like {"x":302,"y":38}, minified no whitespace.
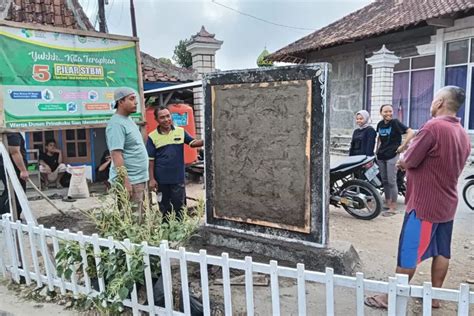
{"x":41,"y":73}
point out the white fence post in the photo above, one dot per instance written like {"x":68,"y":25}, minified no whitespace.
{"x":12,"y":252}
{"x":249,"y":286}
{"x":34,"y":255}
{"x":204,"y":282}
{"x":427,"y":298}
{"x":360,"y":296}
{"x":392,"y":296}
{"x":130,"y":248}
{"x":98,"y":260}
{"x":301,"y":283}
{"x":183,"y":268}
{"x":275,"y":286}
{"x":54,"y":236}
{"x":85,"y":263}
{"x":23,"y":258}
{"x":166,"y":274}
{"x":403,"y":292}
{"x":226,"y":284}
{"x":46,"y":259}
{"x":463,"y":304}
{"x":329,"y":291}
{"x":3,"y":223}
{"x":148,"y":279}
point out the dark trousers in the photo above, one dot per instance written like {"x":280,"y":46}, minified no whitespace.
{"x":173,"y":198}
{"x":4,"y":204}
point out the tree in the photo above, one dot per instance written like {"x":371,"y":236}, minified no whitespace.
{"x":181,"y":55}
{"x":165,"y":60}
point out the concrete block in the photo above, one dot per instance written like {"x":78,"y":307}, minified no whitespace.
{"x":340,"y":255}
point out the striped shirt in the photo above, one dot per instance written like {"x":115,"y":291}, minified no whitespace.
{"x":434,"y":162}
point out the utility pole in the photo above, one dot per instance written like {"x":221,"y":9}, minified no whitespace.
{"x":102,"y":22}
{"x":134,"y":23}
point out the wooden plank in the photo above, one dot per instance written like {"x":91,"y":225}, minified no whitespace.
{"x":226,"y":284}
{"x":54,"y":236}
{"x":148,"y":279}
{"x":275,"y":287}
{"x":301,"y":283}
{"x":75,"y":290}
{"x":183,"y":268}
{"x":249,"y":286}
{"x":166,"y":273}
{"x":10,"y":240}
{"x":204,"y":283}
{"x":130,"y":248}
{"x":54,"y":29}
{"x":45,"y":254}
{"x":360,"y":293}
{"x":3,"y":221}
{"x":329,"y":291}
{"x":34,"y":255}
{"x":98,"y":260}
{"x":11,"y":191}
{"x":85,"y":264}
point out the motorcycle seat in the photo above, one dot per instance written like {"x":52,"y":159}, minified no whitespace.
{"x":349,"y":161}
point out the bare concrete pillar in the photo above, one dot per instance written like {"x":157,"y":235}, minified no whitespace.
{"x":203,"y":47}
{"x":382,"y":62}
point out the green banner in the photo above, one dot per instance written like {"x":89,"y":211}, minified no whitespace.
{"x":54,"y":79}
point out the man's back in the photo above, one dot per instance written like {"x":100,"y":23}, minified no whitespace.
{"x":441,"y":148}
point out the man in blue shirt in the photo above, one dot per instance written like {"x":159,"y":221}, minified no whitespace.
{"x":165,"y":147}
{"x":126,"y":146}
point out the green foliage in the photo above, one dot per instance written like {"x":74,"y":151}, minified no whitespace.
{"x":181,"y":56}
{"x":116,"y":218}
{"x":165,"y":60}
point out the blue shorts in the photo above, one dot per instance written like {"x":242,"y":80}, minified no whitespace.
{"x":420,"y":240}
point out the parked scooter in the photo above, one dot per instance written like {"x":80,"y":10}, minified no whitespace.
{"x":353,"y":186}
{"x":468,"y":192}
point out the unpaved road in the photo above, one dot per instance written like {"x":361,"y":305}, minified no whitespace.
{"x":376,"y":241}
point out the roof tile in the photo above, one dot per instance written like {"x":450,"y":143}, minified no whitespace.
{"x":381,"y":16}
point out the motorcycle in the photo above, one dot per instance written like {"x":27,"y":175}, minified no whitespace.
{"x":353,"y":186}
{"x":468,"y":192}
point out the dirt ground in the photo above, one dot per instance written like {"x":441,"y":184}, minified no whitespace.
{"x":376,"y":242}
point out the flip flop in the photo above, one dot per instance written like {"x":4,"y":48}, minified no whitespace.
{"x":375,"y":302}
{"x":69,"y":199}
{"x":389,"y":213}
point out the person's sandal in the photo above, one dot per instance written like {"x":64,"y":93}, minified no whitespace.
{"x":389,"y":213}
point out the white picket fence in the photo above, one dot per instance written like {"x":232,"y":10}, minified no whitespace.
{"x":17,"y":239}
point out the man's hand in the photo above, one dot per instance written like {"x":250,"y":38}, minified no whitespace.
{"x":401,"y":149}
{"x":24,"y":175}
{"x":153,"y":185}
{"x":128,"y":186}
{"x":400,"y":165}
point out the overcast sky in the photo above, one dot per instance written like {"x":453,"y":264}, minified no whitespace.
{"x":162,"y":23}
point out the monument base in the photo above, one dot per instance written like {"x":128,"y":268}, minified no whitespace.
{"x":339,"y":255}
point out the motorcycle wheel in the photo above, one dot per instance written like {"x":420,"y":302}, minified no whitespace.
{"x":468,"y":194}
{"x":372,"y":208}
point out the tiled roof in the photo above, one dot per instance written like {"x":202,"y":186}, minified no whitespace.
{"x":204,"y":36}
{"x":59,"y":13}
{"x":155,"y":70}
{"x":381,"y":16}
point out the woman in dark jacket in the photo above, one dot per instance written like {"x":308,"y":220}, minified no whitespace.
{"x":363,"y":138}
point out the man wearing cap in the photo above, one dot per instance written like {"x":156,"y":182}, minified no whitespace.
{"x":126,"y":146}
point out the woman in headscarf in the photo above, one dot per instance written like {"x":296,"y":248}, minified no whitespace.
{"x":363,"y":138}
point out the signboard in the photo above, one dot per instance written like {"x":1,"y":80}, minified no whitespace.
{"x":267,"y":153}
{"x":52,"y":78}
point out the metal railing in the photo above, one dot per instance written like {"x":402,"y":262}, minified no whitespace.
{"x":24,"y":251}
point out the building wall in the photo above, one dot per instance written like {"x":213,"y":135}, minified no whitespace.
{"x":347,"y":87}
{"x":348,"y":72}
